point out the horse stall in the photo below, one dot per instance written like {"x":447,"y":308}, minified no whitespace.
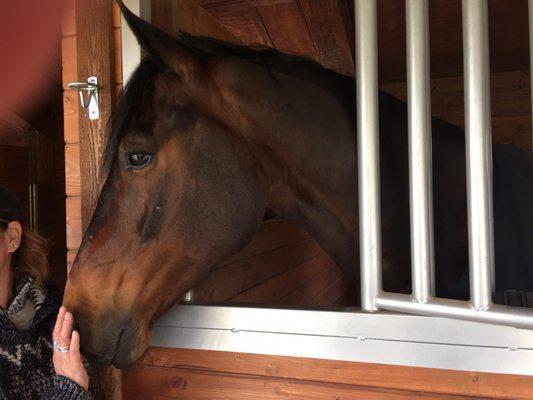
{"x":280,"y":319}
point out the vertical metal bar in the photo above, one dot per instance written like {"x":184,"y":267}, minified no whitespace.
{"x":478,"y":151}
{"x":420,"y":175}
{"x":368,"y":151}
{"x":530,"y":21}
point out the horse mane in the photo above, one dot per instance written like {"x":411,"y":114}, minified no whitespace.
{"x":139,"y":88}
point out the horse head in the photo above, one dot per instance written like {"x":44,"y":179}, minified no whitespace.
{"x":183,"y":192}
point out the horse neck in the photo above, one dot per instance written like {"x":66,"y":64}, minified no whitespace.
{"x":308,"y":152}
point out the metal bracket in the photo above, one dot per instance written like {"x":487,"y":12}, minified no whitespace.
{"x":88,"y":101}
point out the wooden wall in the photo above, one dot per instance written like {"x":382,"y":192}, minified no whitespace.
{"x":195,"y":374}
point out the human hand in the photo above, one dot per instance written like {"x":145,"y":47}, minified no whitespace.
{"x":67,"y":357}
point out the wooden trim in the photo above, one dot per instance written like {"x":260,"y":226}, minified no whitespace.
{"x":95,"y":48}
{"x":95,"y":56}
{"x":482,"y":385}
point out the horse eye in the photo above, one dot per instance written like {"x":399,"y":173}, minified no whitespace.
{"x":139,"y":160}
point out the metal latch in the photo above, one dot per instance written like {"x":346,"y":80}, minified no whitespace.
{"x":88,"y":92}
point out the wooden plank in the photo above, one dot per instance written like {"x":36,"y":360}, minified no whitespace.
{"x":68,"y":22}
{"x":270,"y":236}
{"x":117,"y":17}
{"x":331,"y":293}
{"x":346,"y":298}
{"x":279,"y":286}
{"x":242,"y":20}
{"x":326,"y":26}
{"x":416,"y":379}
{"x":70,"y":98}
{"x":117,"y":38}
{"x":72,"y":170}
{"x":287,"y":28}
{"x":227,"y":281}
{"x":95,"y":46}
{"x":71,"y":110}
{"x":186,"y":383}
{"x":74,"y":230}
{"x":305,"y":293}
{"x":68,"y":61}
{"x":347,"y":15}
{"x":95,"y":56}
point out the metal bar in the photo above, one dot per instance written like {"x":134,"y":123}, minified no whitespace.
{"x":420,"y":170}
{"x":530,"y":9}
{"x":368,"y":151}
{"x":478,"y":151}
{"x":388,"y":338}
{"x":518,"y":317}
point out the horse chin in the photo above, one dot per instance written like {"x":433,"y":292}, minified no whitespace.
{"x":131,"y":345}
{"x":127,"y":349}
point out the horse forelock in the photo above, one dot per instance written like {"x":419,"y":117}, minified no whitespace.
{"x":138,"y":92}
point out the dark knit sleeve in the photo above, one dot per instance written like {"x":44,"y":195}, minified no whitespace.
{"x":66,"y":389}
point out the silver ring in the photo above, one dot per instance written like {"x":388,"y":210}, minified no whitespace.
{"x":61,"y":349}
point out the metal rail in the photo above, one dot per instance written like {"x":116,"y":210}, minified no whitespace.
{"x":368,"y":152}
{"x":478,"y":151}
{"x":478,"y":167}
{"x":420,"y":172}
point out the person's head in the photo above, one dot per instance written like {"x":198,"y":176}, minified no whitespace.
{"x":21,"y":249}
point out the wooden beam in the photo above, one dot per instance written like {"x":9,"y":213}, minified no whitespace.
{"x":96,"y":57}
{"x":415,"y":379}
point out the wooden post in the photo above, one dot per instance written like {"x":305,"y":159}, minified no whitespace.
{"x":95,"y":57}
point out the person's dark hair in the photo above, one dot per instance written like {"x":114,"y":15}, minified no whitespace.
{"x":31,"y":258}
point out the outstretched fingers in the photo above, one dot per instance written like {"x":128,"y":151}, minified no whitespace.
{"x":66,"y":330}
{"x":59,"y":323}
{"x":75,"y":345}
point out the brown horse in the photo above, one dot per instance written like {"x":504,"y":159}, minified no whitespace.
{"x":209,"y":137}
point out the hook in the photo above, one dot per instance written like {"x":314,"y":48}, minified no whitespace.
{"x":88,"y":101}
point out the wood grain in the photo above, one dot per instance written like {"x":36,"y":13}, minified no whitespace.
{"x":95,"y":56}
{"x":72,"y":170}
{"x":243,"y":21}
{"x":74,"y":227}
{"x":329,"y":36}
{"x":474,"y":384}
{"x":274,"y":289}
{"x":95,"y":50}
{"x":229,"y":280}
{"x":287,"y":28}
{"x":186,"y":383}
{"x":68,"y":22}
{"x":510,"y":104}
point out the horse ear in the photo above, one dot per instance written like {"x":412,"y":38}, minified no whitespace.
{"x":160,"y":46}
